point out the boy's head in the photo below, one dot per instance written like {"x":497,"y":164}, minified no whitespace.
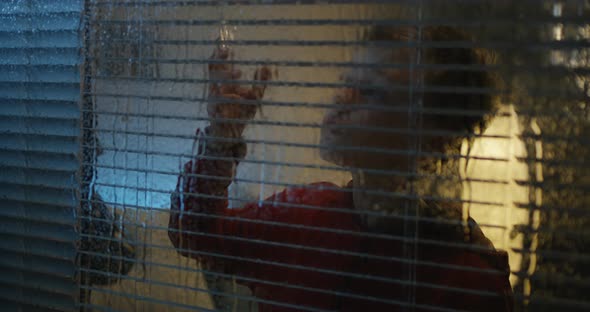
{"x":434,"y":82}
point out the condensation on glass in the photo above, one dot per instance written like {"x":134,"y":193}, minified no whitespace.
{"x":523,"y":178}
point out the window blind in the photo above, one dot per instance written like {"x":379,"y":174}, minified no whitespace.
{"x":39,"y":144}
{"x":521,"y":176}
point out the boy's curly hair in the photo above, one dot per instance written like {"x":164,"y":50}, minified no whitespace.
{"x":464,"y":88}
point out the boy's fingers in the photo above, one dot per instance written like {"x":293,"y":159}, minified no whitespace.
{"x":264,"y":73}
{"x":225,"y":75}
{"x":220,"y":54}
{"x":257,"y":91}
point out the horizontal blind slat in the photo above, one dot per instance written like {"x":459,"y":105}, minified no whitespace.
{"x":19,"y":23}
{"x":50,"y":214}
{"x":58,"y":156}
{"x":38,"y":230}
{"x":13,"y":306}
{"x":40,"y":8}
{"x":39,"y":56}
{"x":36,"y":74}
{"x":40,"y":91}
{"x":36,"y":297}
{"x":48,"y":40}
{"x":38,"y":281}
{"x":48,"y":144}
{"x":39,"y":125}
{"x":26,"y":253}
{"x":38,"y":194}
{"x":39,"y":108}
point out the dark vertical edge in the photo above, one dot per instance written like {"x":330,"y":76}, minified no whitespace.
{"x":88,"y":138}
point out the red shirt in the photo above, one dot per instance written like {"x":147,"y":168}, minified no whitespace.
{"x":305,"y":248}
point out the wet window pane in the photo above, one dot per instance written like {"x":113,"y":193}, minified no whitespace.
{"x":298,"y":155}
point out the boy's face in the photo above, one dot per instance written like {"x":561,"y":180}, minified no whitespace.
{"x":368,"y":127}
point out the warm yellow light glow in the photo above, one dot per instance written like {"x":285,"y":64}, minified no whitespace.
{"x":498,"y":185}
